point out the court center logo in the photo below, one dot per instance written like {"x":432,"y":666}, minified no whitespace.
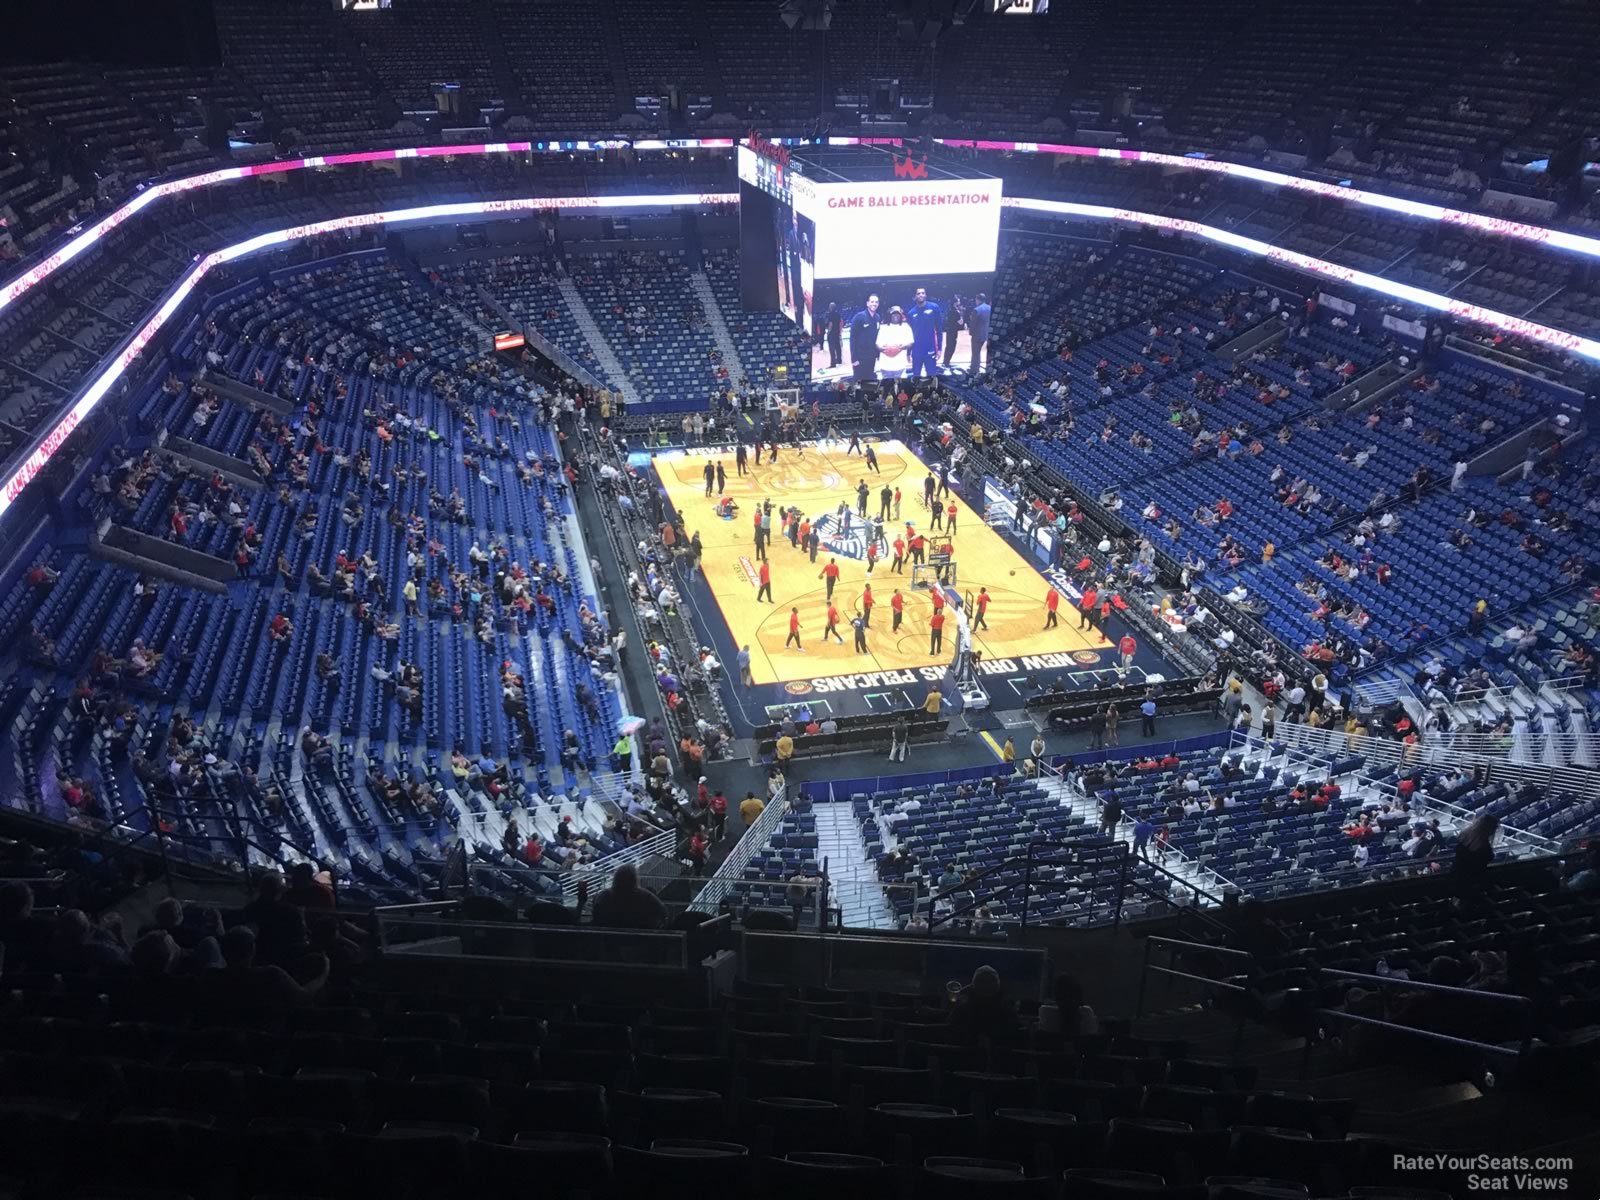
{"x":843,"y":543}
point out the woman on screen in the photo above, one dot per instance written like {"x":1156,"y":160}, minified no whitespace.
{"x":894,"y":345}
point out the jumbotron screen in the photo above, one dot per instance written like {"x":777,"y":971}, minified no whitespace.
{"x":890,"y":279}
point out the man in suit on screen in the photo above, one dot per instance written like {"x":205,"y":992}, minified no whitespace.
{"x":978,"y":329}
{"x":794,"y":250}
{"x":864,"y":341}
{"x":830,"y":332}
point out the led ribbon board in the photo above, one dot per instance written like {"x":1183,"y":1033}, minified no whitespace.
{"x":1494,"y":226}
{"x":114,"y":370}
{"x":20,"y":478}
{"x":1558,"y":339}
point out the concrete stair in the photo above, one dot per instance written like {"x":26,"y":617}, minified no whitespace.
{"x":854,"y":879}
{"x":719,"y":327}
{"x":610,"y":364}
{"x":1088,"y":808}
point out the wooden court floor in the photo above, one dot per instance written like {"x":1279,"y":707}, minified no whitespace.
{"x":818,"y":478}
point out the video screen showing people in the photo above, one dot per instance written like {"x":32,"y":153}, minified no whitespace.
{"x":908,"y":327}
{"x":777,"y":255}
{"x":794,"y":238}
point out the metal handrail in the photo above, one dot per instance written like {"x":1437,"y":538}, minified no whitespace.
{"x":598,"y":873}
{"x":1060,"y":774}
{"x":731,"y":869}
{"x":1027,"y":882}
{"x":1431,"y":1035}
{"x":1523,"y":1003}
{"x":1194,"y":887}
{"x":1582,"y":781}
{"x":235,"y":824}
{"x":417,"y":907}
{"x":118,"y":838}
{"x":1436,"y":753}
{"x":1422,"y":985}
{"x":1172,"y":945}
{"x":1166,"y":941}
{"x":1116,"y":849}
{"x":1536,"y":843}
{"x":1498,"y":690}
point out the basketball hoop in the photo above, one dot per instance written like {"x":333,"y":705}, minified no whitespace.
{"x":785,"y":402}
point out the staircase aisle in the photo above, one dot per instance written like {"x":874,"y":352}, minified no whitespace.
{"x":719,"y":327}
{"x":1088,"y":808}
{"x":610,"y":365}
{"x":854,"y":879}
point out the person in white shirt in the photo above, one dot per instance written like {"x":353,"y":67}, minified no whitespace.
{"x":1297,"y":701}
{"x":894,"y":345}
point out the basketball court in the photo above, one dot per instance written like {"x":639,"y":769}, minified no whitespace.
{"x":818,"y":478}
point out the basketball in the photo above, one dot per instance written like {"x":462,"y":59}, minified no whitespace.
{"x":1013,"y":570}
